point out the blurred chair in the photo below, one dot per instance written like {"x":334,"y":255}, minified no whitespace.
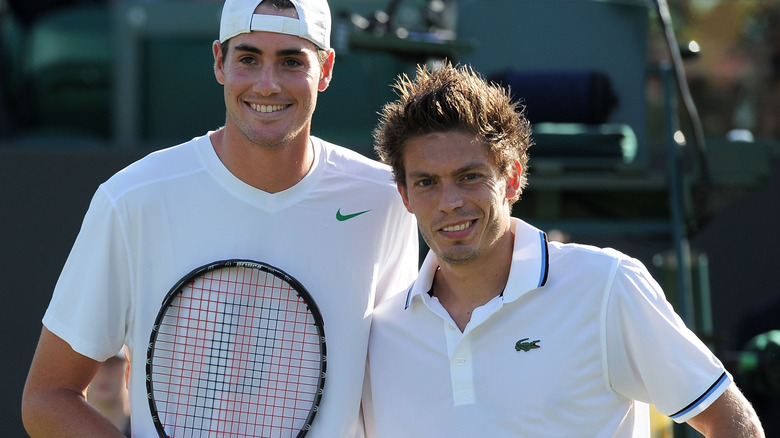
{"x":68,"y":70}
{"x":164,"y":83}
{"x":11,"y":38}
{"x":370,"y":54}
{"x":578,"y":63}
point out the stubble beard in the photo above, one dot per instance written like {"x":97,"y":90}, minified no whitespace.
{"x":458,"y":254}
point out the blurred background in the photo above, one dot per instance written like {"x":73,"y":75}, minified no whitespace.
{"x":655,"y":121}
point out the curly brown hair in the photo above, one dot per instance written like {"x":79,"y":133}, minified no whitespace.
{"x":454,"y":98}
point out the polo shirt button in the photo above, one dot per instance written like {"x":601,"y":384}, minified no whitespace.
{"x":460,"y":361}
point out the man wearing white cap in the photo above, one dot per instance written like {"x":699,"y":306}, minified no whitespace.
{"x":259,"y":188}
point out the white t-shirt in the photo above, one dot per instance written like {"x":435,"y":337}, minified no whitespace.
{"x":578,"y":345}
{"x":180,"y":208}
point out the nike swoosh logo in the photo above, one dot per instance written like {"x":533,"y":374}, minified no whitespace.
{"x":344,"y":217}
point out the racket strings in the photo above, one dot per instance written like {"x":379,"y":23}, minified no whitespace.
{"x":237,"y":354}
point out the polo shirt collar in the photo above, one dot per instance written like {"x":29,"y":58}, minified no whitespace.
{"x":530,"y":264}
{"x":530,"y":261}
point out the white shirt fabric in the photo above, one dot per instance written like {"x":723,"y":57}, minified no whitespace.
{"x":608,"y":343}
{"x":181,"y":208}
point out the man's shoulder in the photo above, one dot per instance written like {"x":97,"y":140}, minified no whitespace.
{"x":393,"y":305}
{"x":584,"y":252}
{"x":586,"y":260}
{"x":593,"y":262}
{"x":160,"y":165}
{"x":348,"y":162}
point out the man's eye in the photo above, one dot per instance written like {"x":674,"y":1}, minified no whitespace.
{"x":424,"y":183}
{"x":246,"y":60}
{"x":292,"y":63}
{"x":471,"y":177}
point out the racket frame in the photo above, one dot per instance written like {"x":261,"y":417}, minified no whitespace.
{"x":226,"y":264}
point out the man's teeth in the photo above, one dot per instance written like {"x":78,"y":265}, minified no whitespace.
{"x":460,"y":227}
{"x":267,"y":108}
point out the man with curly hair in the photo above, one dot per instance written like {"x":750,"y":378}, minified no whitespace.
{"x":505,"y":333}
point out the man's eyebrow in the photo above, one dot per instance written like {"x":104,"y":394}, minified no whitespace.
{"x":283,"y":52}
{"x":417,"y":174}
{"x":291,"y":52}
{"x":469,"y":167}
{"x":474,"y":166}
{"x":247,"y":48}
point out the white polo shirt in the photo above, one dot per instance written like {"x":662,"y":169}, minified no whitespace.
{"x":579,"y":343}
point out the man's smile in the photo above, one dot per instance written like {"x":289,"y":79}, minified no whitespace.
{"x":457,"y":227}
{"x":267,"y":108}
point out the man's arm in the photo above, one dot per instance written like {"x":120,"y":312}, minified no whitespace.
{"x":731,"y":416}
{"x":54,"y":402}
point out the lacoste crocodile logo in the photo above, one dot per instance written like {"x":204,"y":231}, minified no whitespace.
{"x":526,"y":345}
{"x":345,"y":217}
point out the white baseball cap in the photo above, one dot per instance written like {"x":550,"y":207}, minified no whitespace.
{"x":313,"y":22}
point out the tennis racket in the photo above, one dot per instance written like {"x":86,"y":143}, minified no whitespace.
{"x":237,"y":350}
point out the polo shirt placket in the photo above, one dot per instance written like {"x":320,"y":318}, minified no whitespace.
{"x":459,"y":346}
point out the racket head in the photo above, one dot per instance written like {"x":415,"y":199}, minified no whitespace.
{"x":210,"y":370}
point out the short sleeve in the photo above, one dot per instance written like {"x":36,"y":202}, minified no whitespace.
{"x":90,"y":304}
{"x":651,"y":355}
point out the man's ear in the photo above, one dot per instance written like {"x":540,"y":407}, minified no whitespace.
{"x":219,"y":62}
{"x":326,"y":73}
{"x":513,"y":182}
{"x":404,"y":196}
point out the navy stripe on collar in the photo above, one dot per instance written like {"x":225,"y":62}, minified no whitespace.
{"x":409,"y":296}
{"x":545,"y":258}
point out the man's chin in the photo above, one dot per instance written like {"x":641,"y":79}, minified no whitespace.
{"x":460,"y":256}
